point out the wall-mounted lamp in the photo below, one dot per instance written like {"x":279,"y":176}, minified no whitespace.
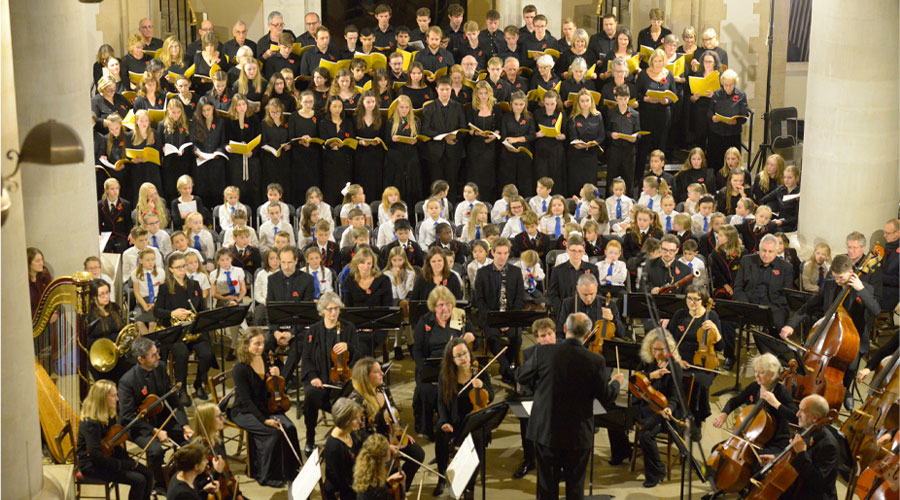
{"x":49,"y":143}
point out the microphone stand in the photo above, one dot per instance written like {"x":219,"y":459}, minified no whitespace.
{"x":689,"y":417}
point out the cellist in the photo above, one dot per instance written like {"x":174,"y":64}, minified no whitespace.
{"x":860,"y":304}
{"x":585,"y":301}
{"x":207,"y":421}
{"x":816,"y":462}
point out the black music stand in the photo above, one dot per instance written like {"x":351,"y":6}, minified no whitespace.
{"x":636,"y":305}
{"x":743,"y":314}
{"x":373,"y":318}
{"x":167,"y":336}
{"x":797,"y":299}
{"x":515,"y":319}
{"x":295,"y":314}
{"x":629,"y":354}
{"x":218,"y":319}
{"x":483,"y":422}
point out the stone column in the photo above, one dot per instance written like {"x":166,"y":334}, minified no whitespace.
{"x":852,"y":139}
{"x":60,"y":201}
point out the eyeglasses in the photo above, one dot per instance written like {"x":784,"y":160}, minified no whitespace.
{"x":147,"y":27}
{"x":332,"y":309}
{"x":178,"y":267}
{"x":693,"y":299}
{"x":277,"y":25}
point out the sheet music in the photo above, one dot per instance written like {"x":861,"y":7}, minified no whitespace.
{"x":104,"y":239}
{"x":789,"y":197}
{"x":464,"y":464}
{"x":185,"y":208}
{"x":307,"y":479}
{"x":527,"y":405}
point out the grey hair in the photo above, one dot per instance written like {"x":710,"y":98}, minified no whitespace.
{"x":326,"y":299}
{"x":140,"y":346}
{"x":769,"y":238}
{"x":578,"y":325}
{"x":578,"y":63}
{"x":586,"y":279}
{"x":545,"y":60}
{"x":273,"y":16}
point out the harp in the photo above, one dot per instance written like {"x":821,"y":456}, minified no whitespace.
{"x":59,"y":329}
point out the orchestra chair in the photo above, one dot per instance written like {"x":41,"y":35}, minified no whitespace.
{"x":663,"y":437}
{"x":81,"y":480}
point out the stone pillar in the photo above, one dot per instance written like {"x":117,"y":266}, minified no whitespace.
{"x":20,"y":439}
{"x":60,"y":201}
{"x":852,"y":140}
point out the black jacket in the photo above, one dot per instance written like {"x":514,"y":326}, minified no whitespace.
{"x":317,"y":352}
{"x":817,"y":468}
{"x":134,"y":386}
{"x":487,"y":291}
{"x":563,"y":279}
{"x":658,"y":275}
{"x":764,"y":285}
{"x":90,"y":455}
{"x":116,"y":220}
{"x":594,"y":311}
{"x":861,"y":306}
{"x":436,"y":121}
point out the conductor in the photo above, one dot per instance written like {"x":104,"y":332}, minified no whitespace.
{"x":567,"y":377}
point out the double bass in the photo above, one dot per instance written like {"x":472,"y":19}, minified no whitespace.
{"x":830,"y":349}
{"x":883,"y":475}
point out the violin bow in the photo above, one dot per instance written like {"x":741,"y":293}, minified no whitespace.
{"x":421,"y":484}
{"x":618,"y":368}
{"x":155,"y":434}
{"x":420,"y":464}
{"x":283,"y":433}
{"x":486,"y":365}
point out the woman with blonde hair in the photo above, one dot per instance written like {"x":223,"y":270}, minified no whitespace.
{"x":403,"y":155}
{"x":107,"y":102}
{"x":366,"y":286}
{"x":481,"y":150}
{"x":174,"y":130}
{"x":150,"y":201}
{"x":172,"y":56}
{"x":250,"y":83}
{"x":769,"y":177}
{"x":370,"y":474}
{"x":135,"y":61}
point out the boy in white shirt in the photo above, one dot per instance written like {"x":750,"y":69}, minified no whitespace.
{"x":689,"y":250}
{"x":613,"y":272}
{"x":357,"y":219}
{"x":667,"y":213}
{"x":158,"y":239}
{"x":650,"y":194}
{"x":432,"y":219}
{"x":323,"y":277}
{"x":239,"y":219}
{"x":439,"y":191}
{"x":540,"y":203}
{"x":501,"y":206}
{"x":618,"y":206}
{"x":533,"y":277}
{"x":130,"y":256}
{"x":464,"y":209}
{"x":180,"y":244}
{"x":386,"y":229}
{"x":700,"y":220}
{"x":694,"y":192}
{"x":272,"y":226}
{"x":232,"y":203}
{"x":274,"y":192}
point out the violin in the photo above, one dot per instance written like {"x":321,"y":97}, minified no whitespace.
{"x":480,"y":398}
{"x":604,"y":329}
{"x":831,"y":347}
{"x":117,"y":434}
{"x":640,"y":386}
{"x":228,"y":484}
{"x":278,"y":400}
{"x":705,"y":355}
{"x":340,"y":364}
{"x":396,"y":435}
{"x":779,"y":473}
{"x":734,"y":460}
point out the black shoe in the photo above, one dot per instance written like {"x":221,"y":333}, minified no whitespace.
{"x":230,"y":356}
{"x":160,"y":490}
{"x":398,"y":353}
{"x":695,"y":433}
{"x":199,"y":393}
{"x":183,"y":396}
{"x":523,"y":469}
{"x":649,"y":483}
{"x":618,"y":460}
{"x":848,"y":401}
{"x":728,"y":364}
{"x":439,"y":488}
{"x":309,"y":449}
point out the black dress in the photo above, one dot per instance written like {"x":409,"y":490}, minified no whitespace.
{"x":339,"y":460}
{"x":103,"y":108}
{"x":156,"y":102}
{"x":174,"y":165}
{"x":368,"y":161}
{"x":378,"y":294}
{"x":516,"y":167}
{"x":145,"y":171}
{"x":418,"y":97}
{"x":248,"y":180}
{"x":570,"y":86}
{"x":581,"y":164}
{"x":403,"y":168}
{"x":189,"y":297}
{"x":338,"y":164}
{"x":116,"y":152}
{"x":684,"y":326}
{"x":454,"y":414}
{"x":481,"y":156}
{"x":209,"y":178}
{"x":655,"y":118}
{"x":274,"y":169}
{"x":272,"y":461}
{"x":549,"y":152}
{"x":306,"y":160}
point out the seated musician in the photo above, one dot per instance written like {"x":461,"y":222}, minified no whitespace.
{"x":375,"y":398}
{"x":328,"y":340}
{"x":432,"y":332}
{"x":190,"y":464}
{"x":105,"y":320}
{"x":585,"y":300}
{"x":500,"y":287}
{"x":272,"y":458}
{"x":564,"y":276}
{"x":178,"y":298}
{"x":340,"y":450}
{"x":366,"y":286}
{"x":371,"y":479}
{"x":688,"y":326}
{"x":545,"y":334}
{"x":816,"y":461}
{"x":276,"y":342}
{"x":777,"y":402}
{"x":663,"y":377}
{"x":98,"y":414}
{"x":666,"y":270}
{"x":147,"y":377}
{"x":207,"y":422}
{"x":860,"y":303}
{"x":453,"y":407}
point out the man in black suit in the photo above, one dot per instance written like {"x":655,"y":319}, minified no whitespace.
{"x":585,"y":301}
{"x":443,"y":156}
{"x":500,"y":287}
{"x":567,"y":378}
{"x":665,"y":270}
{"x":564,"y":276}
{"x":145,"y":378}
{"x":114,"y":216}
{"x":544,"y":334}
{"x":762,"y":279}
{"x":290,"y":285}
{"x":860,"y":303}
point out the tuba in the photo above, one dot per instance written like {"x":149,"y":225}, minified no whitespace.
{"x":105,"y":353}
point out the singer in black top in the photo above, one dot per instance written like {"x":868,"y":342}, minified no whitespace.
{"x":620,"y":120}
{"x":566,"y":378}
{"x":105,"y":320}
{"x":208,"y":135}
{"x":500,"y":287}
{"x":405,"y":170}
{"x":517,"y":128}
{"x":369,"y":159}
{"x":273,"y":443}
{"x":276,"y":135}
{"x":244,"y":170}
{"x":341,"y":448}
{"x":325,"y":339}
{"x":174,"y":130}
{"x":481,"y":149}
{"x":306,"y":156}
{"x":114,"y":216}
{"x":656,"y":113}
{"x":336,"y":160}
{"x":550,"y":152}
{"x":442,"y":157}
{"x":585,"y":125}
{"x":730,"y":102}
{"x":178,"y":298}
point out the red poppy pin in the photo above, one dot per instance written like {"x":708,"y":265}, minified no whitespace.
{"x":225,"y":98}
{"x":368,"y":291}
{"x":776,"y":272}
{"x":678,"y":271}
{"x":196,"y":292}
{"x":314,"y":119}
{"x":246,"y":125}
{"x":285,"y":125}
{"x":181,"y":129}
{"x":441,"y":58}
{"x":346,"y":134}
{"x":119,"y":206}
{"x":309,"y":339}
{"x":701,"y":179}
{"x":291,"y":60}
{"x":578,"y":124}
{"x":427,"y":328}
{"x":543,"y":45}
{"x":121,"y":143}
{"x":735,"y":98}
{"x":213,"y":126}
{"x":295,"y":294}
{"x":859,"y":300}
{"x":663,"y":81}
{"x":628,"y":115}
{"x":444,"y":282}
{"x":234,"y":282}
{"x":587,"y":271}
{"x":522,"y":122}
{"x":681,"y":327}
{"x":406,"y":127}
{"x":752,"y":398}
{"x":479,"y":53}
{"x":144,"y":391}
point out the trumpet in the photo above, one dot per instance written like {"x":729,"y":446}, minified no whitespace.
{"x":105,"y":353}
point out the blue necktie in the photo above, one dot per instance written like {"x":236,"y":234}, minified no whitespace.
{"x":155,"y":242}
{"x":619,"y":208}
{"x":231,"y":290}
{"x":150,"y":292}
{"x":317,"y":292}
{"x":274,"y":232}
{"x":650,"y":205}
{"x":668,"y":223}
{"x":522,"y":223}
{"x":477,"y":232}
{"x":471,"y":206}
{"x":821,"y":276}
{"x":232,"y":210}
{"x":531,"y":285}
{"x":691,"y":266}
{"x":609,"y":270}
{"x":557,"y":231}
{"x":706,"y":224}
{"x":544,"y":206}
{"x":577,"y":210}
{"x":197,"y":243}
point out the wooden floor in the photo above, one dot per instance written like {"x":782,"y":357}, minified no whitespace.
{"x":505,"y":453}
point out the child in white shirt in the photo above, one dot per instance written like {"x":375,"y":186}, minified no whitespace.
{"x":314,"y":197}
{"x":145,"y":283}
{"x":743,"y":212}
{"x":401,"y":274}
{"x":650,"y":197}
{"x":158,"y":238}
{"x":439,"y":191}
{"x":386,"y":230}
{"x":501,"y":206}
{"x":701,"y":220}
{"x":613,"y":272}
{"x":533,"y":276}
{"x":130,"y":256}
{"x":239,"y":219}
{"x":229,"y":287}
{"x":480,"y":252}
{"x":274,"y":192}
{"x":355,"y":198}
{"x":432,"y":219}
{"x":514,"y":224}
{"x":199,"y":237}
{"x":323,"y":277}
{"x":689,"y":250}
{"x":272,"y":226}
{"x":390,"y":196}
{"x":667,"y":213}
{"x":467,"y":206}
{"x":540,"y":203}
{"x":588,"y":192}
{"x":618,"y":206}
{"x":196,"y":272}
{"x":180,"y":244}
{"x":556,"y":217}
{"x":357,"y":219}
{"x":474,"y":228}
{"x":232,"y":203}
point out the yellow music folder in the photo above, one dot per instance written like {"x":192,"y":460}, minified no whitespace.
{"x":299,"y":48}
{"x":437,"y":74}
{"x":334,"y":67}
{"x":700,"y":85}
{"x":148,"y":154}
{"x":538,"y":93}
{"x":611,"y":103}
{"x":412,"y":140}
{"x":349,"y":142}
{"x":244,"y":148}
{"x":373,"y":61}
{"x":552,"y":131}
{"x":729,"y":118}
{"x":635,"y":135}
{"x":156,"y":115}
{"x":535,"y":54}
{"x":153,"y":53}
{"x":634,"y":62}
{"x":521,"y":149}
{"x":136,"y":78}
{"x":190,"y":71}
{"x":668,"y":94}
{"x":596,"y":96}
{"x":677,"y":67}
{"x":590,"y":71}
{"x":273,"y":151}
{"x":646,"y":52}
{"x":128,"y":120}
{"x":365,"y":87}
{"x":407,"y":58}
{"x":362,"y":141}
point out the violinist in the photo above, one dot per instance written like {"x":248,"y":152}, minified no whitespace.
{"x":545,"y":334}
{"x":327,"y":341}
{"x":663,"y":377}
{"x":371,"y":479}
{"x":105,"y":319}
{"x":340,"y":450}
{"x":190,"y":463}
{"x":666,"y":270}
{"x":777,"y":402}
{"x":859,"y":302}
{"x":381,"y":415}
{"x":431,"y":334}
{"x":98,"y":414}
{"x":272,"y":458}
{"x":148,"y":377}
{"x":689,"y":326}
{"x":456,"y":372}
{"x":816,"y":461}
{"x":585,"y":301}
{"x":208,"y":420}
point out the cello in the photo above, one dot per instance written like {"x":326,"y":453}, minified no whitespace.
{"x":882,"y":475}
{"x":830,"y":349}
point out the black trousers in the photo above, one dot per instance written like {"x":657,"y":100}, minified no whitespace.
{"x":527,"y":444}
{"x":442,"y":451}
{"x":651,"y":425}
{"x":620,"y":163}
{"x":425,"y":401}
{"x":492,"y":337}
{"x":445,"y":168}
{"x":139,"y":480}
{"x":315,"y":399}
{"x":295,"y":353}
{"x":272,"y":461}
{"x":556,"y":465}
{"x":181,"y":352}
{"x":155,"y":452}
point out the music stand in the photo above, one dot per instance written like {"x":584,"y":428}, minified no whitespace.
{"x":373,"y":318}
{"x":515,"y":319}
{"x":743,"y":314}
{"x":483,"y":422}
{"x":629,"y":354}
{"x":635,"y":305}
{"x":302,"y":313}
{"x":167,"y":336}
{"x":217,"y":319}
{"x":797,"y":299}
